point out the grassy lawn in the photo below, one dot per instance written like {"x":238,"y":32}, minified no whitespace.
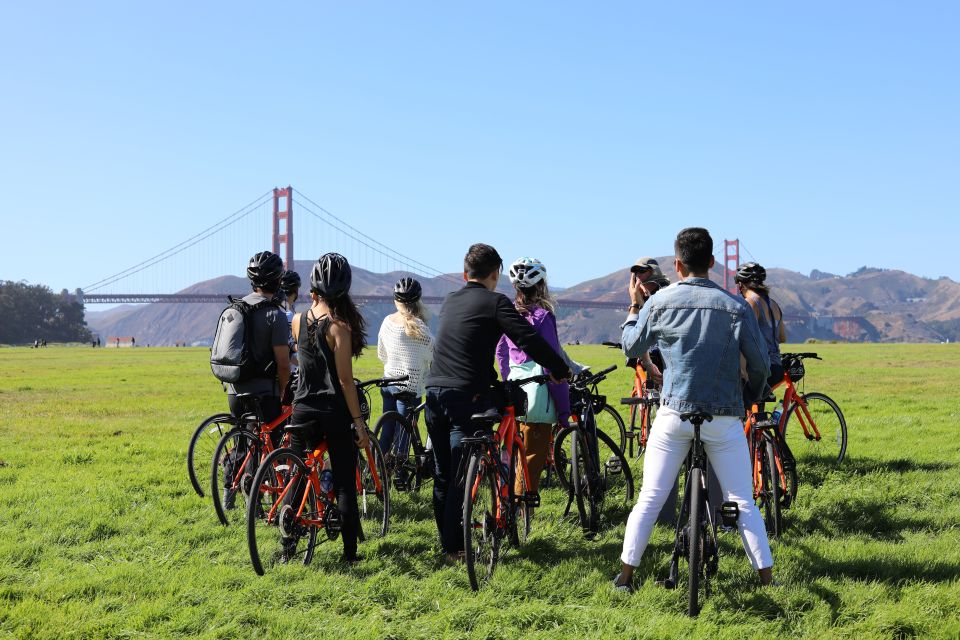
{"x":101,"y":534}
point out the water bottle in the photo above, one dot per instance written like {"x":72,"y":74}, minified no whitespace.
{"x":777,"y":412}
{"x":326,"y":480}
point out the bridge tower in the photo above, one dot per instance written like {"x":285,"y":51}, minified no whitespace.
{"x":731,"y":262}
{"x":286,"y":214}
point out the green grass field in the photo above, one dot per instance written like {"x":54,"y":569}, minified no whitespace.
{"x":101,"y":534}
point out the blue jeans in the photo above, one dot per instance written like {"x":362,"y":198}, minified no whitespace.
{"x":448,"y":414}
{"x":392,"y":429}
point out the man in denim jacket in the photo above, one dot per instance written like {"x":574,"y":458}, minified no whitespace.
{"x":702,"y":331}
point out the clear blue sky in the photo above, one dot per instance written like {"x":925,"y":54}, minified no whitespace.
{"x":823,"y":135}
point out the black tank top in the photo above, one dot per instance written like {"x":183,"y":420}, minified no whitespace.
{"x":318,"y":378}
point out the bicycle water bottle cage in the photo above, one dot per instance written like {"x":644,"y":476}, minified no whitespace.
{"x":729,"y":513}
{"x":487,"y":419}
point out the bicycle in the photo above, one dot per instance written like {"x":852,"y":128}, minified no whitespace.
{"x":238,"y":454}
{"x":490,"y":467}
{"x":643,"y":402}
{"x":696,"y":533}
{"x":598,"y":468}
{"x":774,"y":469}
{"x":823,"y":429}
{"x":408,"y":461}
{"x":203,"y":443}
{"x":295,"y":499}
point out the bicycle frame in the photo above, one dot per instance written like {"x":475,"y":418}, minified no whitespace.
{"x":313,"y":480}
{"x":266,"y":441}
{"x":507,"y":435}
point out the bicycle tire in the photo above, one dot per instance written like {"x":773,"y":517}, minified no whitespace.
{"x":612,"y":424}
{"x":200,"y":450}
{"x":615,"y":474}
{"x":229,"y":474}
{"x":831,"y":424}
{"x":520,"y":521}
{"x":581,"y":474}
{"x":373,"y":501}
{"x":390,"y":459}
{"x":770,"y":489}
{"x":481,"y":540}
{"x":278,"y":469}
{"x":695,"y":541}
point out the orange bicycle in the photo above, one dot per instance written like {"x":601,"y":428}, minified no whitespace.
{"x":490,"y":466}
{"x":811,"y":424}
{"x":773,"y":467}
{"x":238,"y":454}
{"x":643,"y":402}
{"x":295,"y":499}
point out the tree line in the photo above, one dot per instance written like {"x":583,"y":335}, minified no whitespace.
{"x":31,"y":312}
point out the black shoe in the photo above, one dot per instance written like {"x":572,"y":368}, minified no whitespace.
{"x":622,"y":588}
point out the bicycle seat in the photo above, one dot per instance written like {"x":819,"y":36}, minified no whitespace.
{"x":478,"y":438}
{"x":244,"y":396}
{"x":300,"y":428}
{"x":488,"y":418}
{"x":696,"y":417}
{"x":406,"y":397}
{"x":250,"y":417}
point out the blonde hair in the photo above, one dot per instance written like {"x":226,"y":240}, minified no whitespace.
{"x":414,"y":318}
{"x":536,"y":296}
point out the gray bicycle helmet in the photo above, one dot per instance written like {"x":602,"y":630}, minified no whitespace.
{"x":751,"y":272}
{"x":264,"y":270}
{"x":331,"y":276}
{"x":407,"y":290}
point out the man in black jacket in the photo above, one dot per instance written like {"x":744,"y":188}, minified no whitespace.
{"x":458,"y":385}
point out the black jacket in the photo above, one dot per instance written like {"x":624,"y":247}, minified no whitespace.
{"x":471,"y":323}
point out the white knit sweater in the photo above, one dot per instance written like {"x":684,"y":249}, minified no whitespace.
{"x":404,"y":355}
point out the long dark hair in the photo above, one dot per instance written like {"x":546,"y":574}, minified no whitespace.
{"x":343,"y":309}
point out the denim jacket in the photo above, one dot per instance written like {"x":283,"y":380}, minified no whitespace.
{"x":701,"y":331}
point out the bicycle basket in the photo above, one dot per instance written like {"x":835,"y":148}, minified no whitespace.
{"x":794,"y":368}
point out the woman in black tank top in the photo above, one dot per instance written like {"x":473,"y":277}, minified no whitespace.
{"x":328,"y":336}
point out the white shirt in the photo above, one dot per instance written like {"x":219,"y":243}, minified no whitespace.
{"x":405,"y":355}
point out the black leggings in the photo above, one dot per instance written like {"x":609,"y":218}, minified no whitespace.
{"x":333,"y":426}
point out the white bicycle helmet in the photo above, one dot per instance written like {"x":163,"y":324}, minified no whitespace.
{"x":526,"y":272}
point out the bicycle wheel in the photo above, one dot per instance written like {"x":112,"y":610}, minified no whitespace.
{"x":373,"y":491}
{"x":611,"y":423}
{"x":583,"y":474}
{"x":520,"y":522}
{"x":481,"y":540}
{"x":203,"y":443}
{"x":798,"y":429}
{"x":561,"y":459}
{"x":615,"y":477}
{"x":235,"y":461}
{"x":275,"y":534}
{"x":392,"y":461}
{"x":770,"y":488}
{"x":695,"y":541}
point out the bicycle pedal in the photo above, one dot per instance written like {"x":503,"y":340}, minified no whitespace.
{"x":401,"y":485}
{"x":532,"y":498}
{"x":666,"y":583}
{"x":613,"y":465}
{"x":729,"y":514}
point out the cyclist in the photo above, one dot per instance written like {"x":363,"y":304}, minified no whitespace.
{"x":290,"y":291}
{"x":750,"y":281}
{"x":472,"y":320}
{"x":701,"y":330}
{"x":405,"y":347}
{"x":649,"y":274}
{"x":269,"y":336}
{"x":536,"y":305}
{"x":328,"y":335}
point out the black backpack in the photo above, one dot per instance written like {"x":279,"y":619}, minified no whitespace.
{"x":231,"y":359}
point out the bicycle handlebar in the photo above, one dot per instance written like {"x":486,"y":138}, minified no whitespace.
{"x":537,"y":379}
{"x":593,"y":378}
{"x":383,"y":382}
{"x":801,"y":355}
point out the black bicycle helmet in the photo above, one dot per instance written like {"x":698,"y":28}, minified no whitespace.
{"x":331,"y":276}
{"x":407,"y":290}
{"x":290,"y":281}
{"x":751,"y":272}
{"x":264,"y":270}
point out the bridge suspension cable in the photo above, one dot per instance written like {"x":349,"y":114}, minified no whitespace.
{"x":231,"y":219}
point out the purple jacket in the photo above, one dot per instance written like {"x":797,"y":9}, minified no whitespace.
{"x":546,"y":325}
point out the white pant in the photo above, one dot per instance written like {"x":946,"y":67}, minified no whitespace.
{"x":726,"y":447}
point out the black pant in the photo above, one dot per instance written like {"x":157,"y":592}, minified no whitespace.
{"x":448,"y":414}
{"x":269,"y":410}
{"x":333,"y":425}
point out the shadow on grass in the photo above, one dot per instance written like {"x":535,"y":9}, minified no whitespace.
{"x":815,"y":565}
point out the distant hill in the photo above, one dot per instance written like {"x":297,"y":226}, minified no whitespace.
{"x":868,"y":305}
